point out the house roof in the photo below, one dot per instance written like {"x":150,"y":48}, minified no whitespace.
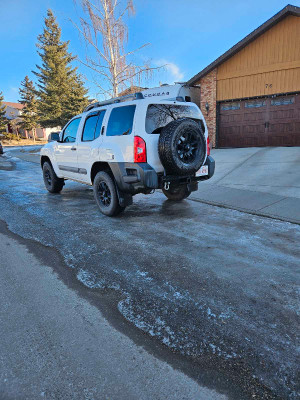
{"x":18,"y":106}
{"x":288,"y":10}
{"x":131,"y":90}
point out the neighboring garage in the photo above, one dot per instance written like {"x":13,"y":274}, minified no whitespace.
{"x":251,"y":94}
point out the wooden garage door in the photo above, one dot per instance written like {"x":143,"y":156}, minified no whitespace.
{"x":260,"y":122}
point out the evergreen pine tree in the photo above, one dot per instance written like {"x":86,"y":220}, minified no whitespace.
{"x":76,"y":101}
{"x":30,"y":110}
{"x":61,"y":91}
{"x":3,"y":119}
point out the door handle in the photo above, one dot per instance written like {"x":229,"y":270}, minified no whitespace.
{"x":73,"y":148}
{"x":102,"y":130}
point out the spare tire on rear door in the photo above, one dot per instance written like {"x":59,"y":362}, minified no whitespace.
{"x":182,"y":147}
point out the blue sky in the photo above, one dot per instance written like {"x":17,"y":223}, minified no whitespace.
{"x":185,"y":34}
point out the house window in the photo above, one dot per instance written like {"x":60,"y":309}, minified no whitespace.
{"x":282,"y":101}
{"x":255,"y":104}
{"x":231,"y":106}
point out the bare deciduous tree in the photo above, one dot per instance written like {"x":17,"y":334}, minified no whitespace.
{"x":15,"y":124}
{"x":106,"y":34}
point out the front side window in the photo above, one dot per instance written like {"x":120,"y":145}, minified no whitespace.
{"x":92,"y":126}
{"x":160,"y":115}
{"x":120,"y":121}
{"x":70,"y":132}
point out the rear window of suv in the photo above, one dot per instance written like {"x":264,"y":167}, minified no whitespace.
{"x":160,"y":115}
{"x":120,"y":121}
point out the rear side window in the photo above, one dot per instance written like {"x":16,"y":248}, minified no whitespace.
{"x":92,"y":126}
{"x":71,"y":131}
{"x":160,"y":115}
{"x":99,"y":124}
{"x":89,"y":128}
{"x":120,"y":121}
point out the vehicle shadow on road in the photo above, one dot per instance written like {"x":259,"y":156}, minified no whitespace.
{"x":167,"y":208}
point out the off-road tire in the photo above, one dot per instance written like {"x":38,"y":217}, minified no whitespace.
{"x":177,"y":193}
{"x":52,"y":183}
{"x":178,"y":156}
{"x":106,"y":195}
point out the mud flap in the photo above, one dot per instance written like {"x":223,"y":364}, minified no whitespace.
{"x":125,"y":199}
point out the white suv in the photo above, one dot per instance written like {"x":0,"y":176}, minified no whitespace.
{"x":129,"y":145}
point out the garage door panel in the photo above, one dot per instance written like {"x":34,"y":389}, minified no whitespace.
{"x":283,"y":114}
{"x":231,"y":118}
{"x":255,"y":128}
{"x":279,"y":140}
{"x":255,"y":116}
{"x":260,"y":122}
{"x":250,"y":141}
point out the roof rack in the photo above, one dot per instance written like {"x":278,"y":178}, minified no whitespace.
{"x":128,"y":97}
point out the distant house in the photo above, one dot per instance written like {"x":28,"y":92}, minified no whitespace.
{"x":250,"y":95}
{"x":131,"y":90}
{"x":14,"y":111}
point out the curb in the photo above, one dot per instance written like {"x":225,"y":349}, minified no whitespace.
{"x":247,"y":211}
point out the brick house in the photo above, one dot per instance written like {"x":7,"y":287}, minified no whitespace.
{"x":250,"y":95}
{"x":131,"y":90}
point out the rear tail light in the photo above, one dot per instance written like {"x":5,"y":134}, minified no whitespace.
{"x":208,"y":146}
{"x":140,"y":154}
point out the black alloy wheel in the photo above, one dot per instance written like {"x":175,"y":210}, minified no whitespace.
{"x":48,"y":177}
{"x":52,"y":182}
{"x":104,"y":194}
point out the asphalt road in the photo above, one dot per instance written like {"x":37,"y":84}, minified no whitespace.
{"x":56,"y":345}
{"x":218,"y":287}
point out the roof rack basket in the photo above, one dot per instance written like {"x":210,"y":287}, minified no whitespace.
{"x":128,"y":97}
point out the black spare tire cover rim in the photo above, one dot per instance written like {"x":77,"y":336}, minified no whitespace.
{"x":182,"y":147}
{"x":187,"y":145}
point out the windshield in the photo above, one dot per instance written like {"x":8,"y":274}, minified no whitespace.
{"x":159,"y":115}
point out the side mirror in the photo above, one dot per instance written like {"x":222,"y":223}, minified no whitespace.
{"x":54,"y":137}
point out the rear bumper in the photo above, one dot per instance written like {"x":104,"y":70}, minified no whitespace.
{"x":210,"y":162}
{"x":136,"y":178}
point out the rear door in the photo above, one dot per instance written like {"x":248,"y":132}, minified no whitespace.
{"x":65,"y":152}
{"x":118,"y":140}
{"x":89,"y":143}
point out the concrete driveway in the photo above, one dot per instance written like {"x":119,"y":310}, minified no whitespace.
{"x":261,"y":181}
